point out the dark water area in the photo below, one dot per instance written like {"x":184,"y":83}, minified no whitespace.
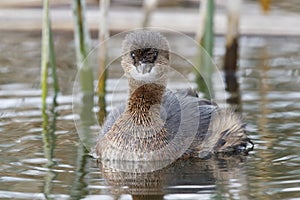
{"x":268,"y":97}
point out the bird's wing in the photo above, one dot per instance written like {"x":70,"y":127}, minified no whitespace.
{"x":112,"y":117}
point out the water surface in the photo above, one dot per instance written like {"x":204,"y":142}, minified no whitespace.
{"x":268,"y":97}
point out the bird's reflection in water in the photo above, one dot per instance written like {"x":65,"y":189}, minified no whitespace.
{"x":142,"y":181}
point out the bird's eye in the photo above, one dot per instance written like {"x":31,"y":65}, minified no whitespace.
{"x":132,"y":55}
{"x":155,"y":54}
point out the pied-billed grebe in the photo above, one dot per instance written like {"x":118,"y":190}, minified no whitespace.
{"x":158,"y":124}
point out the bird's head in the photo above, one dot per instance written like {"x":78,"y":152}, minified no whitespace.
{"x":145,"y":56}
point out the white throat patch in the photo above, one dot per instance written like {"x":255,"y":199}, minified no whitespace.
{"x":147,"y":77}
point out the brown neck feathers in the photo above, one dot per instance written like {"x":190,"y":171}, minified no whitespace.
{"x":144,"y":97}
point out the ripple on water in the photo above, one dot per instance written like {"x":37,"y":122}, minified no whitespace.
{"x":24,"y":195}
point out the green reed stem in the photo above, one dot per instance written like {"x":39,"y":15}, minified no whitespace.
{"x":207,"y":42}
{"x":53,"y":66}
{"x":48,"y":57}
{"x":103,"y":36}
{"x":82,"y":48}
{"x":45,"y":53}
{"x":208,"y":38}
{"x":82,"y":43}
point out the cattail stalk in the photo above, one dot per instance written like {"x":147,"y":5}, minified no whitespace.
{"x":232,"y":35}
{"x":231,"y":54}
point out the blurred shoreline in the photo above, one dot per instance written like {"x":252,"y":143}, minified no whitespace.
{"x":27,"y":16}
